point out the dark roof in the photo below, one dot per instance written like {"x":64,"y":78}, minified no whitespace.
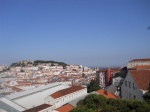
{"x":111,"y":88}
{"x":111,"y":69}
{"x":141,"y":78}
{"x":66,"y":91}
{"x":119,"y":74}
{"x":38,"y":108}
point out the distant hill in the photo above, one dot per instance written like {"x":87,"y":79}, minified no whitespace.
{"x":21,"y":63}
{"x":52,"y":63}
{"x":37,"y":62}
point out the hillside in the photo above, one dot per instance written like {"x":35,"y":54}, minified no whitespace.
{"x":37,"y":62}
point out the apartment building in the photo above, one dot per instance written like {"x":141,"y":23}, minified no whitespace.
{"x":104,"y":76}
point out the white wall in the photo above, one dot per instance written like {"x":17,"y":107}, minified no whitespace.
{"x":50,"y":109}
{"x":128,"y":92}
{"x":118,"y":80}
{"x":7,"y":108}
{"x":58,"y":102}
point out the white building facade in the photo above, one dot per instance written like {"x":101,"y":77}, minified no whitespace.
{"x":64,"y":96}
{"x":135,"y":84}
{"x":26,"y":100}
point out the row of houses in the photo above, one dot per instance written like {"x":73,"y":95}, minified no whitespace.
{"x":19,"y":78}
{"x":128,"y":83}
{"x":44,"y":98}
{"x":56,"y":97}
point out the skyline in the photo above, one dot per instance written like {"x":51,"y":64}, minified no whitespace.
{"x":91,"y":33}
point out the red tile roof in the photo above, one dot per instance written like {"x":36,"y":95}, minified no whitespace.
{"x":65,"y":108}
{"x":38,"y":108}
{"x":111,"y":69}
{"x":103,"y":70}
{"x":142,"y":67}
{"x":146,"y":59}
{"x":8,"y":93}
{"x":106,"y":94}
{"x":141,"y":78}
{"x":16,"y":88}
{"x":64,"y":92}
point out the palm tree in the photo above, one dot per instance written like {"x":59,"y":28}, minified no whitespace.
{"x":148,"y":28}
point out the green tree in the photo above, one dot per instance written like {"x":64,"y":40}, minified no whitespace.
{"x":82,"y":109}
{"x":94,"y":101}
{"x":98,"y":103}
{"x":22,"y":70}
{"x":80,"y":102}
{"x":121,"y":105}
{"x":138,"y":106}
{"x":93,"y":86}
{"x":91,"y":103}
{"x":146,"y":97}
{"x":110,"y":108}
{"x":83,"y":75}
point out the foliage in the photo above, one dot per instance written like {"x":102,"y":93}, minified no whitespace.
{"x":122,"y":73}
{"x":93,"y":86}
{"x":15,"y":64}
{"x":110,"y":108}
{"x":95,"y":101}
{"x":35,"y":63}
{"x":52,"y":63}
{"x":83,"y":75}
{"x":138,"y":106}
{"x":80,"y":103}
{"x":91,"y":102}
{"x":146,"y":97}
{"x":22,"y":70}
{"x":20,"y":64}
{"x":82,"y":109}
{"x":121,"y":105}
{"x":98,"y":103}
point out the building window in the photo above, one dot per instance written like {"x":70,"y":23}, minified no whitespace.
{"x":130,"y":96}
{"x":125,"y":83}
{"x":126,"y":95}
{"x":134,"y":97}
{"x":48,"y":102}
{"x":134,"y":86}
{"x":129,"y":84}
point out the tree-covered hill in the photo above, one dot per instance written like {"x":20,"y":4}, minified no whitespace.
{"x":37,"y":62}
{"x":52,"y":62}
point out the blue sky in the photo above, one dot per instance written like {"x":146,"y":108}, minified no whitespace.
{"x":87,"y":32}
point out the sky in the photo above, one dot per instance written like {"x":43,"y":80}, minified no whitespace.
{"x":83,"y":32}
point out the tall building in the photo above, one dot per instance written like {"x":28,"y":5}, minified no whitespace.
{"x":104,"y":76}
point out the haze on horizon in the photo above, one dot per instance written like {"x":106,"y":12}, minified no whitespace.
{"x":87,"y":32}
